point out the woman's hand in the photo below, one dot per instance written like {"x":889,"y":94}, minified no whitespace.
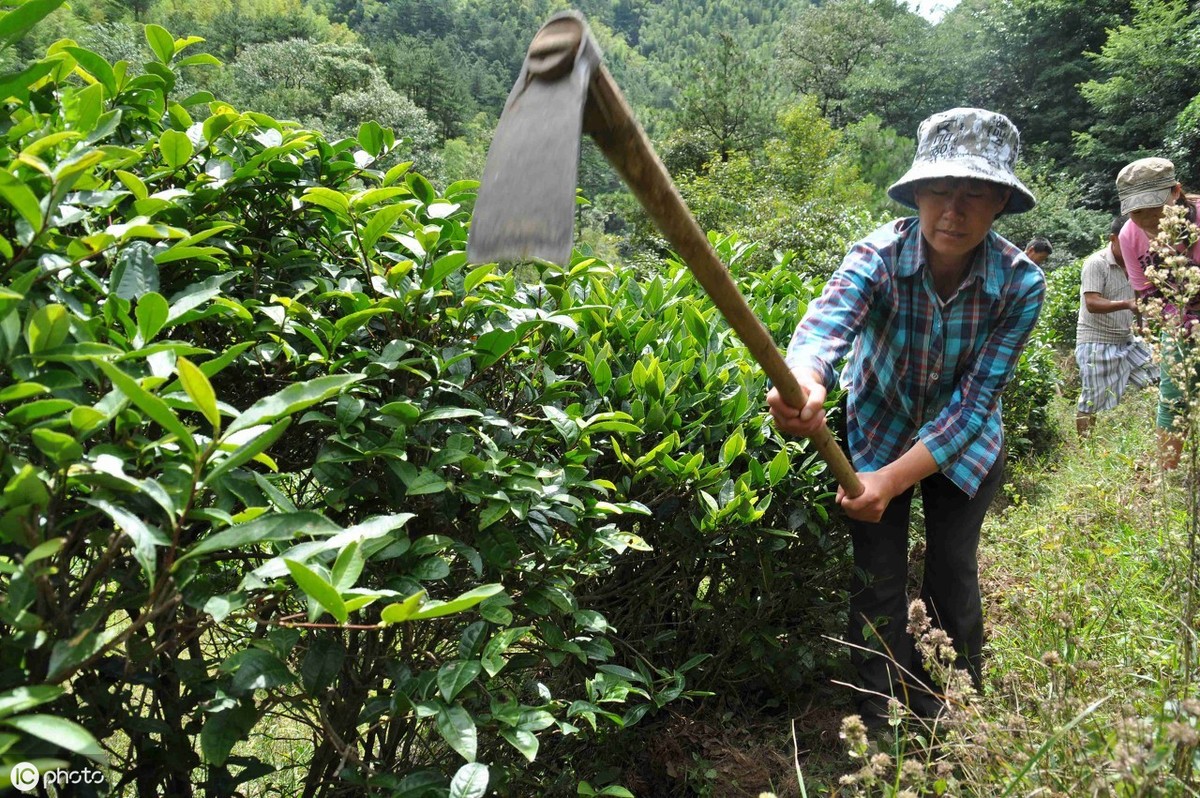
{"x":807,"y":420}
{"x":878,"y":491}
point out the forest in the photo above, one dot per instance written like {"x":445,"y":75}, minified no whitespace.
{"x":298,"y":502}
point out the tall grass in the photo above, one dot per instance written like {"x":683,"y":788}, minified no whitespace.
{"x":1089,"y":687}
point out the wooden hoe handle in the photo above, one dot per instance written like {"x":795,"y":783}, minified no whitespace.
{"x":609,"y":120}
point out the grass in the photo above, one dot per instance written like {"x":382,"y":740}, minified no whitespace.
{"x":1087,"y":693}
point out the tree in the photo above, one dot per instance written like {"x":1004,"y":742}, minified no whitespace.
{"x":334,"y":88}
{"x":726,"y":99}
{"x":434,"y":76}
{"x":1074,"y":230}
{"x":1026,"y":59}
{"x":828,"y":44}
{"x":229,"y":26}
{"x":881,"y":156}
{"x":799,"y":194}
{"x":1149,"y":77}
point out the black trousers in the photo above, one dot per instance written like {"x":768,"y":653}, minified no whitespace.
{"x":950,"y":589}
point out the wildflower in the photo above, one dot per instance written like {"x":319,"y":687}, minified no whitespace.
{"x":906,"y":793}
{"x":918,"y":618}
{"x":848,"y":780}
{"x":854,"y":732}
{"x":1051,"y":659}
{"x":958,"y":684}
{"x":1183,"y":734}
{"x":880,"y":763}
{"x":937,"y":644}
{"x":912,"y":770}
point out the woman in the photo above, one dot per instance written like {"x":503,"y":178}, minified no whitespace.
{"x":933,"y":312}
{"x":1146,"y":187}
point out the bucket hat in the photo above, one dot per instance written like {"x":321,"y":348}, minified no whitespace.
{"x":966,"y":142}
{"x":1146,"y":183}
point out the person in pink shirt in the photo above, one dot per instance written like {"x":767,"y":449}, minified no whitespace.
{"x":1146,"y":187}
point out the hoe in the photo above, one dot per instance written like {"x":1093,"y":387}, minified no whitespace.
{"x":526,"y":203}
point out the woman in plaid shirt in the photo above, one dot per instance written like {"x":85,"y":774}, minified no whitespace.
{"x":929,"y":314}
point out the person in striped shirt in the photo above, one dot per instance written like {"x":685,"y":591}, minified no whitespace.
{"x":929,"y":314}
{"x":1109,"y":355}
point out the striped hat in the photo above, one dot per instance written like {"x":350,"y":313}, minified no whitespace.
{"x":1146,"y":183}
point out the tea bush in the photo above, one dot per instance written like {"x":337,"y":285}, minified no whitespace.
{"x":277,"y":463}
{"x":1029,"y":422}
{"x":1061,"y":312}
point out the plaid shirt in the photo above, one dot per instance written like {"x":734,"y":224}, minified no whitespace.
{"x":922,"y":369}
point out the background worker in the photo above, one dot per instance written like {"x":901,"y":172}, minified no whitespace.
{"x":1109,"y":355}
{"x":932,"y":313}
{"x":1146,"y":186}
{"x":1038,"y":250}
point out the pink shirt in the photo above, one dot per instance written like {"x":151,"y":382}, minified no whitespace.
{"x":1135,"y":249}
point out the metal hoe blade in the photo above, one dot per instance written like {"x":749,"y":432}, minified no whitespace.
{"x":526,"y":203}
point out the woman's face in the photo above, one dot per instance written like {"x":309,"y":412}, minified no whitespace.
{"x":1148,"y":218}
{"x":957,"y":213}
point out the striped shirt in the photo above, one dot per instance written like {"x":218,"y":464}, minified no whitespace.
{"x":1101,"y":274}
{"x":920,"y":368}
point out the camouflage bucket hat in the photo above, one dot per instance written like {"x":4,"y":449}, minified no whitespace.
{"x":1146,"y":183}
{"x":966,"y":142}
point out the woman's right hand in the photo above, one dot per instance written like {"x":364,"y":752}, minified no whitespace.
{"x":805,"y":421}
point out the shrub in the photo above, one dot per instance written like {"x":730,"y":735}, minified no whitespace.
{"x":276,"y":463}
{"x":1029,"y":426}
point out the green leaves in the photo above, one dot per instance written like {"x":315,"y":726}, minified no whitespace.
{"x":268,"y":528}
{"x":146,"y":537}
{"x":16,"y":23}
{"x":457,"y":728}
{"x":152,"y":312}
{"x":380,"y":223}
{"x":62,"y":449}
{"x":292,"y":399}
{"x":176,"y":148}
{"x":318,"y":590}
{"x":136,"y":272}
{"x":256,"y":669}
{"x":470,"y":781}
{"x":148,"y":403}
{"x":411,"y":609}
{"x":456,"y":675}
{"x":20,"y":699}
{"x":329,"y":199}
{"x":162,"y":43}
{"x":48,"y":327}
{"x":14,"y":191}
{"x":58,"y":731}
{"x":92,"y":65}
{"x":224,"y":729}
{"x":197,"y":386}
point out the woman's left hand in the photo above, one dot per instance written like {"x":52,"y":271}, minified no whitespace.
{"x":878,"y":491}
